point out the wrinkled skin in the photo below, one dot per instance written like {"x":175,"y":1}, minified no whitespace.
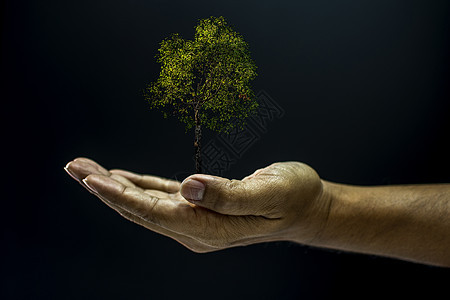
{"x":283,"y":201}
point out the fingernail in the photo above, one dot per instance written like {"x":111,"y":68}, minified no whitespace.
{"x":192,"y":189}
{"x":91,"y":188}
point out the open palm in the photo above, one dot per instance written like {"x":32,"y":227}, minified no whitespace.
{"x":157,"y":204}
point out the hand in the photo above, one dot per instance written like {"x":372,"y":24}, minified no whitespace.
{"x":283,"y":201}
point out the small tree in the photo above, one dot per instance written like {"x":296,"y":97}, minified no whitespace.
{"x":205,"y":82}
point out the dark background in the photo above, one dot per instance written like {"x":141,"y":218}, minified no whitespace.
{"x":365,"y":89}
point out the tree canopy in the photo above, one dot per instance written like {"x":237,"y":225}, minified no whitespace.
{"x":207,"y":77}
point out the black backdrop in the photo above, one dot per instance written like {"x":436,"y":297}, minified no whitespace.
{"x":365,"y":90}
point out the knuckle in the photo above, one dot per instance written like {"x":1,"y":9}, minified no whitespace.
{"x":142,"y":206}
{"x":148,"y":212}
{"x":228,"y":195}
{"x":234,"y":185}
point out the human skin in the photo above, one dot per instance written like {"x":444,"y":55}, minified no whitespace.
{"x":285,"y":201}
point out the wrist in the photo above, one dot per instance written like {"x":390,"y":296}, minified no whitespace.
{"x":311,"y":221}
{"x":323,"y":206}
{"x":329,"y":198}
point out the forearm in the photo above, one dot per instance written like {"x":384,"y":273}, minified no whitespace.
{"x":410,"y":222}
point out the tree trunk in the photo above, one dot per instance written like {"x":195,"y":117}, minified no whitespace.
{"x":197,"y":140}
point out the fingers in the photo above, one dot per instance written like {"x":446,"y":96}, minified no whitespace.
{"x":150,"y":182}
{"x":231,"y":197}
{"x":81,"y":167}
{"x":197,"y":228}
{"x":161,"y":215}
{"x":135,"y":201}
{"x":141,"y":206}
{"x":188,"y":242}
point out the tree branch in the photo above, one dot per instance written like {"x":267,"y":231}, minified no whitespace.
{"x":217,"y":90}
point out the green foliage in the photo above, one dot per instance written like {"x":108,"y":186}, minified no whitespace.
{"x":210,"y":74}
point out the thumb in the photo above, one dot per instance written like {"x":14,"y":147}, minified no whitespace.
{"x":230,"y":197}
